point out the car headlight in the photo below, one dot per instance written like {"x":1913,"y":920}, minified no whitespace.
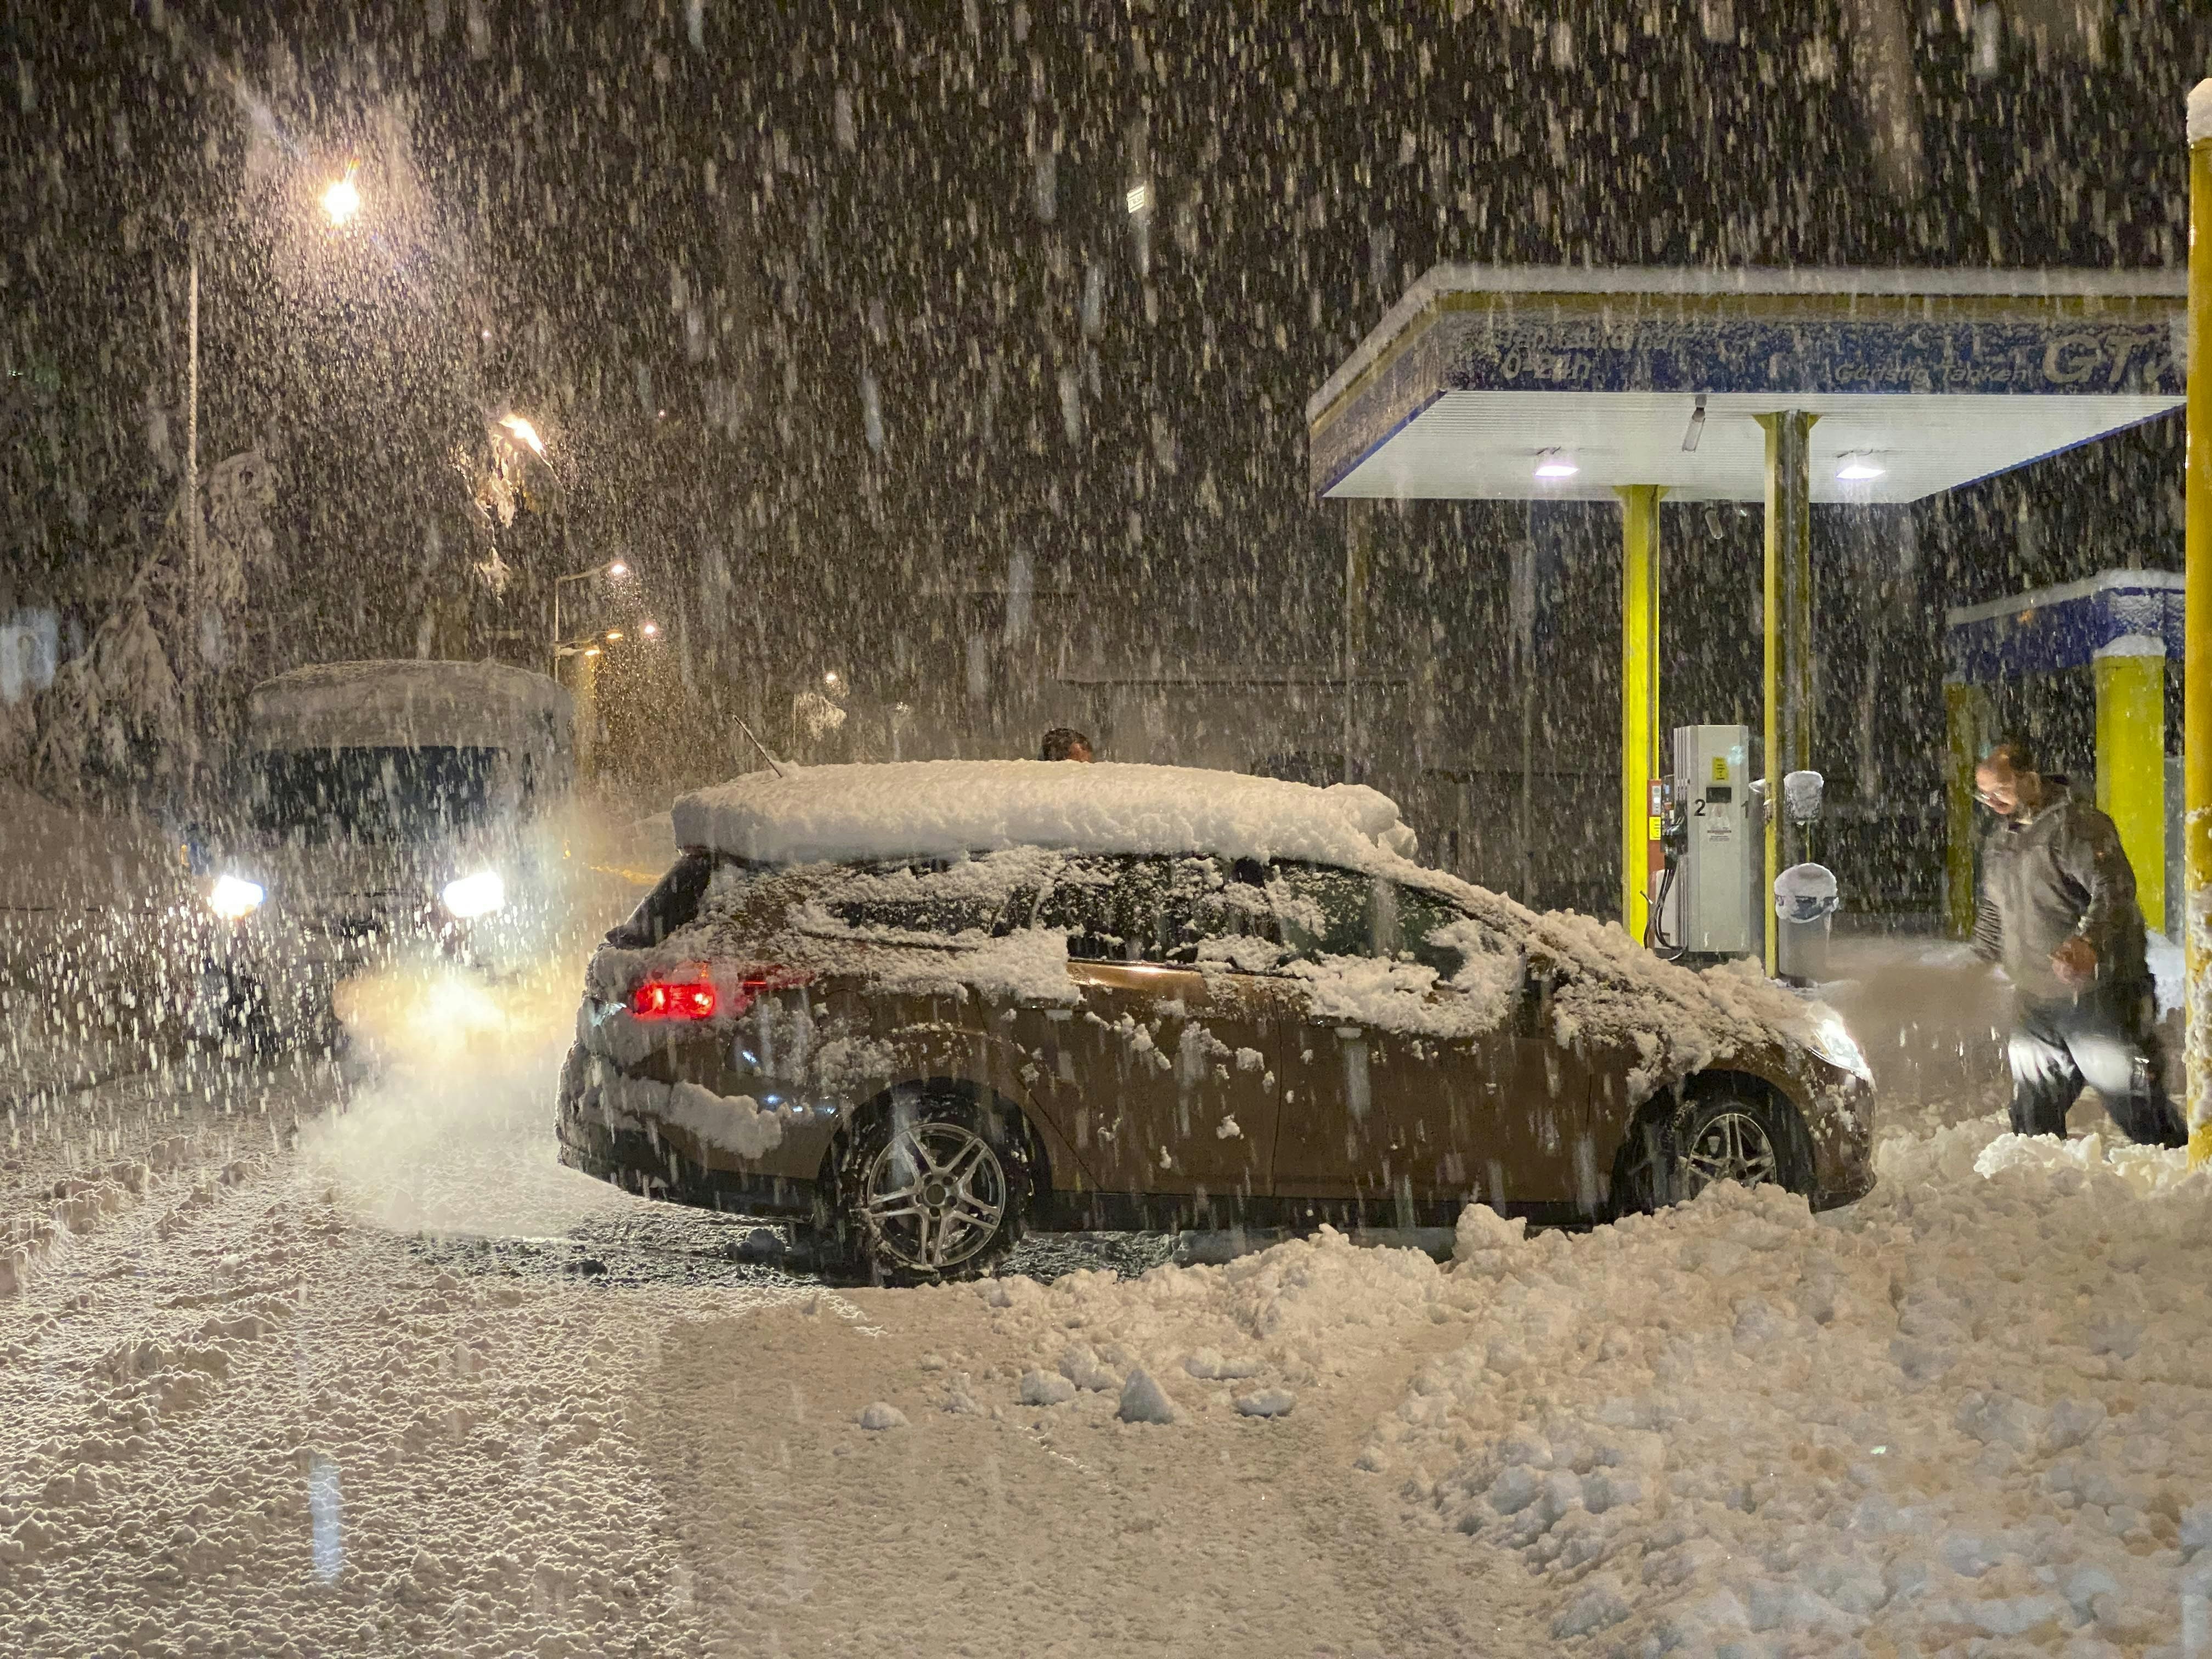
{"x":479,"y":894}
{"x":233,"y":897}
{"x":1831,"y":1039}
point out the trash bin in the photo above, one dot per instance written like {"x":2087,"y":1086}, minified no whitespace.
{"x":1804,"y":900}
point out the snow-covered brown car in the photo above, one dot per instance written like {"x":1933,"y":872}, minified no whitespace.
{"x":924,"y":1007}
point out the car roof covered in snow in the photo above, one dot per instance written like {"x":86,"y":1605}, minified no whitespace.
{"x":946,"y":808}
{"x":408,"y":703}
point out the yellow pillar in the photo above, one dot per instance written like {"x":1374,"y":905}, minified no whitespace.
{"x":1359,"y":546}
{"x":1965,"y":718}
{"x":2196,"y":637}
{"x":1639,"y":697}
{"x":2131,"y":760}
{"x":1786,"y":618}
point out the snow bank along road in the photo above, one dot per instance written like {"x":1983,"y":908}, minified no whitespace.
{"x":261,"y":1395}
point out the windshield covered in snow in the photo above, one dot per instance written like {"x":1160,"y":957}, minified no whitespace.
{"x":381,"y":795}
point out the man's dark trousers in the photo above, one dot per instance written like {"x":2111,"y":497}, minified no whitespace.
{"x":2103,"y":1037}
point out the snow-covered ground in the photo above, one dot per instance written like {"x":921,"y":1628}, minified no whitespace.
{"x":315,"y":1368}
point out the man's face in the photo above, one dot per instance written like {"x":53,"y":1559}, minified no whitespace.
{"x":1079,"y":750}
{"x":1997,"y":785}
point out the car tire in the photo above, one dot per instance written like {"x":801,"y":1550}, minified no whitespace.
{"x":1713,"y":1135}
{"x":933,"y":1186}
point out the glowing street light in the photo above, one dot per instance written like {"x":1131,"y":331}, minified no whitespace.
{"x":650,"y":629}
{"x":1857,"y":469}
{"x":1552,"y":464}
{"x":526,"y":434}
{"x":614,"y":634}
{"x":613,"y":570}
{"x":342,"y":199}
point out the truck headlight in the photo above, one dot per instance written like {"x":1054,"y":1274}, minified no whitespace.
{"x":479,"y":894}
{"x":1831,"y":1039}
{"x":233,"y":897}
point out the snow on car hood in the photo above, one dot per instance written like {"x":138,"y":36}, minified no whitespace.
{"x":943,"y":809}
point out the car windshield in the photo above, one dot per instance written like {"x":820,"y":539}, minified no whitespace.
{"x":395,"y":795}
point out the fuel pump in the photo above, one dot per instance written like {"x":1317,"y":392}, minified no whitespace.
{"x":1702,"y":895}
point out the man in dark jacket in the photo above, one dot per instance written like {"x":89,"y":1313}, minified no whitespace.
{"x":2059,"y":910}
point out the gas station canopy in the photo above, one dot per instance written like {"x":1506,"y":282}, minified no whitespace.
{"x":1566,"y":383}
{"x":1788,"y":387}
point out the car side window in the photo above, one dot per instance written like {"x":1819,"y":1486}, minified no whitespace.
{"x":1081,"y":903}
{"x":1167,"y":907}
{"x":1231,"y":912}
{"x":1341,"y":913}
{"x":924,"y":896}
{"x":1153,"y":909}
{"x":1426,"y":928}
{"x":1322,"y":911}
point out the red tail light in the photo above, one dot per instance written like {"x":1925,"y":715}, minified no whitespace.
{"x":663,"y":998}
{"x":697,"y":998}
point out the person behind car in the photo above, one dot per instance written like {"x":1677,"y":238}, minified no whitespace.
{"x":1065,"y":743}
{"x":2059,"y":910}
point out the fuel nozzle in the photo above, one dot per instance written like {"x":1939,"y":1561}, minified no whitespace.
{"x":1673,"y":823}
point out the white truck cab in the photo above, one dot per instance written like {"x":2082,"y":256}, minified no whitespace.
{"x":378,"y":809}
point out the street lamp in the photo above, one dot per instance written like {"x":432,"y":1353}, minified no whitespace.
{"x":524,"y":434}
{"x":342,"y":199}
{"x":614,"y":569}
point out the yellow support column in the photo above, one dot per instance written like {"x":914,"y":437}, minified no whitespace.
{"x":1639,"y":697}
{"x":1966,"y":719}
{"x":2196,"y":637}
{"x":2131,"y":760}
{"x":1786,"y":618}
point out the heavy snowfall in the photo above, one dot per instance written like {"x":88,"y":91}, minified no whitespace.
{"x":668,"y":671}
{"x":309,"y":1358}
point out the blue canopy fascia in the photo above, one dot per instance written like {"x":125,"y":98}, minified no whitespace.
{"x":2066,"y":626}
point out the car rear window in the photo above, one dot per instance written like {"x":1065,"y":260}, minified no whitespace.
{"x":675,"y":902}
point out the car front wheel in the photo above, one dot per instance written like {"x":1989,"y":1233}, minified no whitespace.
{"x":1712,"y":1136}
{"x":934,"y":1186}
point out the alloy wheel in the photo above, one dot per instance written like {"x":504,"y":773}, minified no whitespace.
{"x":934,"y":1196}
{"x":1730,"y":1146}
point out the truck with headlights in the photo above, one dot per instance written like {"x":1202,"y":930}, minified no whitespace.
{"x":381,"y":813}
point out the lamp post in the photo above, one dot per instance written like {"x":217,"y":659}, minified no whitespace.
{"x":194,"y":554}
{"x":613,"y":568}
{"x":340,"y":203}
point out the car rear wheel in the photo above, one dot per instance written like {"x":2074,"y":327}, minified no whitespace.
{"x":935,"y":1187}
{"x":1712,"y":1136}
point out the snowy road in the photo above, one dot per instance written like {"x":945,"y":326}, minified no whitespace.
{"x":387,"y":1379}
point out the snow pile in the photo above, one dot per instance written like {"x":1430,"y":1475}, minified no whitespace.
{"x":2199,"y":112}
{"x":1307,"y":1309}
{"x":1935,"y":1415}
{"x":1970,"y":1406}
{"x":834,"y":814}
